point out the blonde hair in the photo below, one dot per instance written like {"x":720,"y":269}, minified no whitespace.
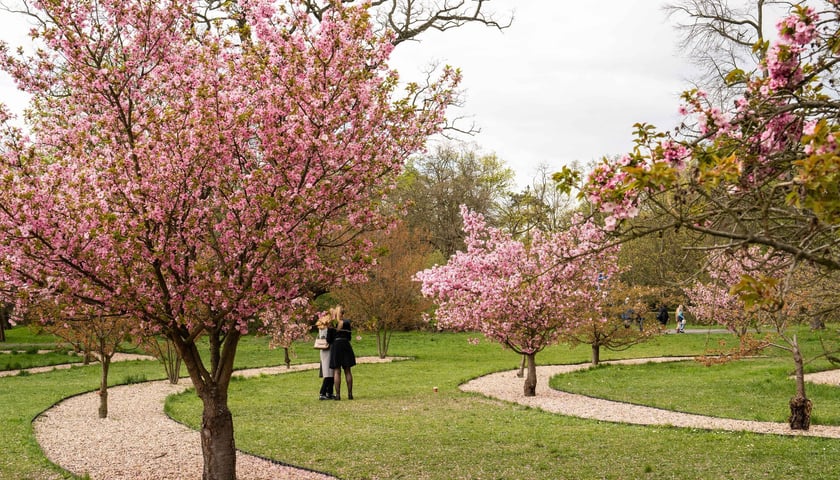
{"x":336,"y":313}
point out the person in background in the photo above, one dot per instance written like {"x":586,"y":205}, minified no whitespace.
{"x":680,"y":319}
{"x":326,"y":331}
{"x":342,"y":356}
{"x":662,"y":316}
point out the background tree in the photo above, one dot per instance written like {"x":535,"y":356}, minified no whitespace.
{"x":164,"y":350}
{"x":189,"y":174}
{"x":90,"y":331}
{"x":434,"y":186}
{"x":541,"y":205}
{"x":284,"y":331}
{"x":522,"y":296}
{"x":390,"y":299}
{"x":409,"y":18}
{"x":764,"y":172}
{"x":617,"y":321}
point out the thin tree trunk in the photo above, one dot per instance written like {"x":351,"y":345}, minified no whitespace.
{"x":800,"y":405}
{"x":531,"y":379}
{"x":286,"y":357}
{"x":596,"y":353}
{"x":103,"y":386}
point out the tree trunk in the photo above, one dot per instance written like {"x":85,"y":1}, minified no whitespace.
{"x":596,"y":353}
{"x":5,"y":314}
{"x":103,"y":386}
{"x":217,"y":445}
{"x":521,"y":372}
{"x":287,"y":358}
{"x":800,"y":405}
{"x":531,"y":379}
{"x":217,"y":442}
{"x":383,"y":341}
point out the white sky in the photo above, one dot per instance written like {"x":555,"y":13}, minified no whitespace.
{"x":565,"y":82}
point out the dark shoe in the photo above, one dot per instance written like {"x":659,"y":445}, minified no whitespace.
{"x":337,"y":397}
{"x":323,"y":397}
{"x":350,"y":396}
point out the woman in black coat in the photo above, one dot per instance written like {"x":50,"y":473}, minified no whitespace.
{"x":342,"y":357}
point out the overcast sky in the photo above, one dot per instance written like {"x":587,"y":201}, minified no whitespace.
{"x":565,"y":82}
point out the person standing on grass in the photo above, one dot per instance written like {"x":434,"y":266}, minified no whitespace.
{"x":342,"y":356}
{"x":662,"y":316}
{"x":327,"y":332}
{"x":680,"y":319}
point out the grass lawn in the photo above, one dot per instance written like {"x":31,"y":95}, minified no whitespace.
{"x":398,"y":427}
{"x":20,"y":350}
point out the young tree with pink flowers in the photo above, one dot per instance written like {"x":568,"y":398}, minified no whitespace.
{"x":763,"y":172}
{"x":191,"y":172}
{"x":523,"y":295}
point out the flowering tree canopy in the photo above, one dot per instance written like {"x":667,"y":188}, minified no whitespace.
{"x":191,"y":172}
{"x":765,"y":171}
{"x":521,"y":295}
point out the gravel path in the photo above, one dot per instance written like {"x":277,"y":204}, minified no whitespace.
{"x":118,"y":357}
{"x":138,"y":441}
{"x":507,"y":386}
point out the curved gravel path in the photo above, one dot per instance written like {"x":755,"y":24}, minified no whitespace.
{"x":507,"y":386}
{"x":138,"y":441}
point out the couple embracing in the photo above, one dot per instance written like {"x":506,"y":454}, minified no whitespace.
{"x":337,"y":356}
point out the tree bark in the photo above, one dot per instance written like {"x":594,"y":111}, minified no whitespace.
{"x":800,"y":405}
{"x":103,"y":386}
{"x":531,"y":379}
{"x":596,"y":353}
{"x":217,"y":442}
{"x":286,"y":357}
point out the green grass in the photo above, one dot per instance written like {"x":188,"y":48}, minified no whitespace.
{"x":399,"y":428}
{"x":23,"y":336}
{"x":17,"y":361}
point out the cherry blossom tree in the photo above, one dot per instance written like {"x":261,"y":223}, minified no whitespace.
{"x":285,"y":332}
{"x":713,"y":301}
{"x":95,"y":333}
{"x":521,"y":295}
{"x":763,"y":171}
{"x":191,"y":172}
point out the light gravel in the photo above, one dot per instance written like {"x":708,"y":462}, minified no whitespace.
{"x":507,"y":386}
{"x":138,"y":441}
